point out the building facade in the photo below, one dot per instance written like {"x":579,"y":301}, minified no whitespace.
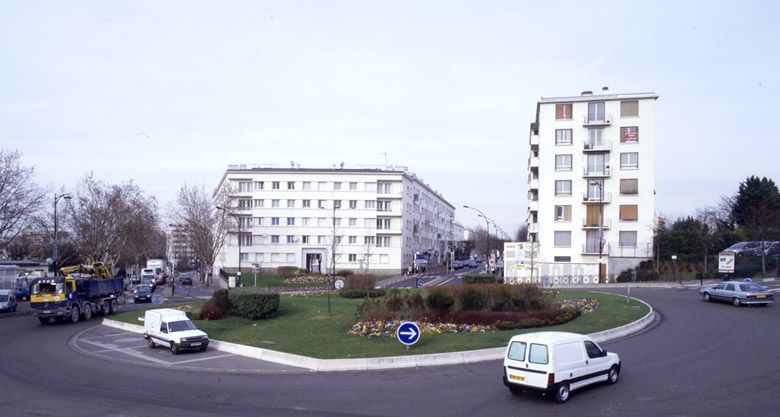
{"x":591,"y":182}
{"x":373,"y":220}
{"x":180,"y":253}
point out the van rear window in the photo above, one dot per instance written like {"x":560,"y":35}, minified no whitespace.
{"x":516,"y":351}
{"x":538,"y":354}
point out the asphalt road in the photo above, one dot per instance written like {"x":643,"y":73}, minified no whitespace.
{"x":699,"y":360}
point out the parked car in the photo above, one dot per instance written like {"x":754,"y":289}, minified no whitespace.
{"x":7,"y":301}
{"x":738,"y":293}
{"x":557,"y":363}
{"x":185,"y":280}
{"x":743,"y":248}
{"x":142,"y":294}
{"x":771,"y":248}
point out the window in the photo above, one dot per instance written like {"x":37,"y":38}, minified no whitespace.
{"x":321,"y":204}
{"x":305,"y":221}
{"x":562,"y":239}
{"x":353,"y":240}
{"x":245,"y":240}
{"x":383,"y":241}
{"x":353,"y":186}
{"x":322,"y":186}
{"x":629,"y":108}
{"x":563,"y":162}
{"x":337,"y":221}
{"x":304,"y":239}
{"x":352,"y":257}
{"x":592,"y":241}
{"x":290,"y":185}
{"x":383,"y":188}
{"x":729,"y":287}
{"x":383,"y":224}
{"x":563,"y":111}
{"x":596,"y":164}
{"x":628,"y":212}
{"x":290,"y":257}
{"x":337,"y":239}
{"x":629,"y":134}
{"x":596,"y":138}
{"x":628,"y":239}
{"x":290,"y":239}
{"x":291,"y":221}
{"x":596,"y":111}
{"x":276,"y":257}
{"x":290,"y":203}
{"x":352,"y":222}
{"x":275,"y":185}
{"x":370,"y":204}
{"x":517,"y":351}
{"x":537,"y":354}
{"x":595,"y":188}
{"x":353,"y":204}
{"x":563,"y":136}
{"x":257,"y":203}
{"x":244,"y":204}
{"x":259,"y":221}
{"x":274,"y":221}
{"x":337,"y":204}
{"x":336,"y":186}
{"x":563,"y":187}
{"x":306,"y":186}
{"x":629,"y":160}
{"x":258,"y":257}
{"x":274,"y":238}
{"x":368,"y":240}
{"x":629,"y":186}
{"x":244,"y":257}
{"x":274,"y":203}
{"x":321,"y":240}
{"x":306,"y":203}
{"x":562,"y":258}
{"x":244,"y":186}
{"x":562,"y":213}
{"x":383,"y":205}
{"x":258,"y":185}
{"x":592,"y":349}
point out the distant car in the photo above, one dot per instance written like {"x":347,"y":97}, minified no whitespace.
{"x":7,"y":301}
{"x":743,"y":248}
{"x":142,"y":294}
{"x":185,"y":280}
{"x":150,"y":281}
{"x":738,"y":293}
{"x":162,"y":279}
{"x":773,"y":249}
{"x":135,"y":280}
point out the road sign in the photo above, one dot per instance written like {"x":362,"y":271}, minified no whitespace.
{"x":408,"y":333}
{"x":726,"y":262}
{"x":339,"y":284}
{"x":420,"y":283}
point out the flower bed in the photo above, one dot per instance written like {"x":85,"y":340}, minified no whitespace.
{"x":308,"y":279}
{"x":584,"y":305}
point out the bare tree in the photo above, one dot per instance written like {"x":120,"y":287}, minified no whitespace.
{"x":20,"y":198}
{"x":107,"y":220}
{"x":522,"y":233}
{"x":205,"y":227}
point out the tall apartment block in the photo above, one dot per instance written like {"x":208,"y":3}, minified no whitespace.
{"x":591,"y":183}
{"x":377,"y":219}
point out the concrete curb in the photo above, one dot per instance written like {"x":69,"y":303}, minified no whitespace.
{"x":390,"y":362}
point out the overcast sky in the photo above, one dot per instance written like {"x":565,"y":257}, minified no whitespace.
{"x":164,"y":92}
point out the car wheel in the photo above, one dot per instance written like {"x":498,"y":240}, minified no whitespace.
{"x":174,"y":348}
{"x":614,"y":374}
{"x":562,"y":392}
{"x":736,"y":301}
{"x":150,"y":342}
{"x":74,"y":314}
{"x":87,"y":312}
{"x":707,"y":297}
{"x":43,"y":320}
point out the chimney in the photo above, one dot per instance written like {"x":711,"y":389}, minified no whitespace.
{"x":604,"y":89}
{"x":341,"y":165}
{"x":292,"y":164}
{"x":587,"y":93}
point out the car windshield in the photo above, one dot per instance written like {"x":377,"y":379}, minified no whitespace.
{"x":143,"y":288}
{"x":178,"y":326}
{"x":738,"y":245}
{"x":751,"y":287}
{"x":48,"y":288}
{"x":3,"y":298}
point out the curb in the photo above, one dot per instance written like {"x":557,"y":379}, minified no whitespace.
{"x":389,"y":362}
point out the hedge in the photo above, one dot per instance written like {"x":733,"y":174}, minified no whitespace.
{"x":255,"y":306}
{"x":373,"y":293}
{"x":478,"y":279}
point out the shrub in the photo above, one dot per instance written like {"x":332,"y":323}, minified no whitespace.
{"x":359,"y":283}
{"x":255,"y":306}
{"x":394,"y":304}
{"x":415,"y":305}
{"x":211,"y":311}
{"x":374,"y":293}
{"x":221,"y":299}
{"x":441,"y":300}
{"x":473,"y":299}
{"x":372,"y":310}
{"x":345,"y":273}
{"x":290,"y":271}
{"x":478,"y":279}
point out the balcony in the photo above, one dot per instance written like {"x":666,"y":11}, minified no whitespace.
{"x":594,"y":198}
{"x":596,"y":120}
{"x":603,"y":145}
{"x":593,"y":249}
{"x":533,"y":228}
{"x":533,"y":184}
{"x":533,"y":162}
{"x":596,"y":172}
{"x":595,"y":225}
{"x":534,"y":140}
{"x":533,"y":205}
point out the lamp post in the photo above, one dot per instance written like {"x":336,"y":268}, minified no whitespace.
{"x":66,"y":196}
{"x":230,"y":213}
{"x":601,"y":224}
{"x":487,"y":230}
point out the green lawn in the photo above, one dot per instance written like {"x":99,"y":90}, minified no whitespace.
{"x":304,"y":327}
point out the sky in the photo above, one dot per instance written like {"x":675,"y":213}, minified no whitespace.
{"x":171,"y":92}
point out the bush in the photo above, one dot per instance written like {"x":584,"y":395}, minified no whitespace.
{"x":473,"y":299}
{"x":415,"y":305}
{"x":345,"y":273}
{"x":441,"y":300}
{"x":288,"y":271}
{"x":478,"y":279}
{"x":221,"y":299}
{"x":375,"y":293}
{"x":255,"y":306}
{"x":211,"y":311}
{"x":359,"y":283}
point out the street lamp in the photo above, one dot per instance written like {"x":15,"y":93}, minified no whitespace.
{"x":230,"y":213}
{"x":601,"y":224}
{"x":57,"y":198}
{"x":487,"y":230}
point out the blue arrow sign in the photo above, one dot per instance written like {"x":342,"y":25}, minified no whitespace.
{"x":408,"y":333}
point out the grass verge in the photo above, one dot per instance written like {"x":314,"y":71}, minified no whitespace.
{"x":304,"y":327}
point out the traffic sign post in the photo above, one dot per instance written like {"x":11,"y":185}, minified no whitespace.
{"x":408,"y":333}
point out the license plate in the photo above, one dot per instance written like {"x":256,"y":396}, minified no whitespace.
{"x":517,"y":377}
{"x":46,"y":311}
{"x":195,"y":344}
{"x":761,"y":296}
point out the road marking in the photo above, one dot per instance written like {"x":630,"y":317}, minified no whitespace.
{"x":448,"y":280}
{"x":126,"y":351}
{"x":202,"y":359}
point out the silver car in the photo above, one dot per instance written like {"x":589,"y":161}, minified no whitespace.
{"x":738,"y":293}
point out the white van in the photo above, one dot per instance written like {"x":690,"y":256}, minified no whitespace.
{"x":169,"y":327}
{"x":557,"y":363}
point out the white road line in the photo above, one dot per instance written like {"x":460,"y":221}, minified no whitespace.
{"x":202,"y":359}
{"x":448,"y":280}
{"x":126,"y":351}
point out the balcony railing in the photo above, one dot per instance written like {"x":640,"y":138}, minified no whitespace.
{"x":603,"y":145}
{"x":594,"y":198}
{"x":533,"y":162}
{"x":534,"y":184}
{"x":595,"y":224}
{"x":597,"y":120}
{"x":534,"y":140}
{"x":597,"y":172}
{"x":593,"y":249}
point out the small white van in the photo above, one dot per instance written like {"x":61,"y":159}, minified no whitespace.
{"x":172,"y":328}
{"x":557,"y":363}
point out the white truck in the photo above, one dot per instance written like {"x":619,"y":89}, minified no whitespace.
{"x":158,"y":265}
{"x":172,"y":328}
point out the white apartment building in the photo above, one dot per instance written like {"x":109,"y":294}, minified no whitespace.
{"x":377,"y":219}
{"x":179,"y":248}
{"x":591,"y":173}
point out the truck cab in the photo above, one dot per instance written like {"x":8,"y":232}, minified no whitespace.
{"x":172,"y":328}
